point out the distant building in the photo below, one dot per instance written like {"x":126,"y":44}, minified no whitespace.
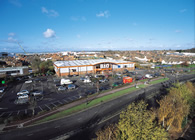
{"x":95,"y":66}
{"x":5,"y":54}
{"x":13,"y":71}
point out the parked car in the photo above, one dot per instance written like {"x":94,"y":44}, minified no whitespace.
{"x":23,"y":96}
{"x":82,"y":78}
{"x":22,"y":92}
{"x":57,"y":85}
{"x":61,"y":88}
{"x":148,"y":76}
{"x":37,"y":93}
{"x":2,"y":89}
{"x":103,"y":80}
{"x":87,"y":80}
{"x":71,"y":86}
{"x":157,"y":74}
{"x":29,"y":81}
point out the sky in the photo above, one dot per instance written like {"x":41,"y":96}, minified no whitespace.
{"x":96,"y":25}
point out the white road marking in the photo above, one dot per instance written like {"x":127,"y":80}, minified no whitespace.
{"x":48,"y":107}
{"x":65,"y":100}
{"x":75,"y":97}
{"x":2,"y":114}
{"x":10,"y":114}
{"x":18,"y":112}
{"x":29,"y":135}
{"x":41,"y":108}
{"x":25,"y":111}
{"x":71,"y":98}
{"x":60,"y":102}
{"x":54,"y":104}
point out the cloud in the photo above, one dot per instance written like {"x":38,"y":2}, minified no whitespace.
{"x":11,"y":34}
{"x":49,"y":33}
{"x":178,"y":31}
{"x":50,"y":13}
{"x":105,"y":14}
{"x":15,"y":3}
{"x":44,"y":10}
{"x":183,"y":10}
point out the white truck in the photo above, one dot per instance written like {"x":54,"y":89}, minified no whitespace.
{"x":65,"y":81}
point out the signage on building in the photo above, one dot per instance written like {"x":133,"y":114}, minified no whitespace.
{"x":103,"y":66}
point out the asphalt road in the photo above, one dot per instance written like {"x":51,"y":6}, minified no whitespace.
{"x":84,"y":121}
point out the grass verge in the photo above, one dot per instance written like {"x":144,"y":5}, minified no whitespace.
{"x":96,"y":101}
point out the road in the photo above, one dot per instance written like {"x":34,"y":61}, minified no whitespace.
{"x":82,"y":121}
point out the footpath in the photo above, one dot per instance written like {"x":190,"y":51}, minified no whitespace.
{"x":68,"y":106}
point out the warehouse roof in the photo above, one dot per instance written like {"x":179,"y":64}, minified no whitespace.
{"x":86,"y":62}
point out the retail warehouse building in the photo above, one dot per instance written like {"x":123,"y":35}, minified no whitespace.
{"x":94,"y":66}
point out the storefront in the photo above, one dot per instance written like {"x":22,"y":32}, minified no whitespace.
{"x":95,"y":66}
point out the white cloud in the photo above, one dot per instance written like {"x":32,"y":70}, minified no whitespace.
{"x":49,"y":33}
{"x":44,"y":10}
{"x":50,"y":13}
{"x":11,"y":40}
{"x":105,"y":14}
{"x":11,"y":34}
{"x":178,"y":31}
{"x":15,"y":3}
{"x":183,"y":10}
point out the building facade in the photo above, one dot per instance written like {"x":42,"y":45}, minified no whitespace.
{"x":14,"y":71}
{"x":95,"y":66}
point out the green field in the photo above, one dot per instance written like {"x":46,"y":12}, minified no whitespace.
{"x":96,"y":101}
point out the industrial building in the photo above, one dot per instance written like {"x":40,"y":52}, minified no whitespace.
{"x":14,"y":71}
{"x":95,"y":66}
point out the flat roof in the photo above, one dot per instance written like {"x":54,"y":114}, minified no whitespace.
{"x":86,"y":62}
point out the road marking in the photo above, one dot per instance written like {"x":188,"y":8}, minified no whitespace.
{"x":71,"y":99}
{"x":48,"y":107}
{"x":18,"y":112}
{"x":29,"y":135}
{"x":65,"y":100}
{"x":60,"y":102}
{"x":2,"y":114}
{"x":75,"y":97}
{"x":10,"y":114}
{"x":25,"y":111}
{"x":54,"y":104}
{"x":56,"y":126}
{"x":40,"y":108}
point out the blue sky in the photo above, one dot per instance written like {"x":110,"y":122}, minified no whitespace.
{"x":94,"y":25}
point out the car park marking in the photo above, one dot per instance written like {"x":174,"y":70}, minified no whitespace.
{"x":29,"y":135}
{"x":2,"y":114}
{"x":48,"y":107}
{"x":18,"y":112}
{"x":60,"y":102}
{"x":41,"y":108}
{"x":65,"y":100}
{"x":70,"y":98}
{"x":54,"y":104}
{"x":10,"y":114}
{"x":25,"y":111}
{"x":74,"y":97}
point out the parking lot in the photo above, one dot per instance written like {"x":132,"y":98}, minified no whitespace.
{"x":51,"y":97}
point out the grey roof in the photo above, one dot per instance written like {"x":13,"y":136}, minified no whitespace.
{"x":86,"y":62}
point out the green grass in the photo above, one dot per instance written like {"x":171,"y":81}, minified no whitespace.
{"x":96,"y":101}
{"x":159,"y":81}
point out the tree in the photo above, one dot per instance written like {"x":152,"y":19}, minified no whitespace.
{"x":109,"y":133}
{"x":35,"y":63}
{"x":138,"y":123}
{"x":173,"y":108}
